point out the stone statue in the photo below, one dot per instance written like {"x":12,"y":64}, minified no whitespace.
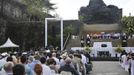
{"x":97,"y":12}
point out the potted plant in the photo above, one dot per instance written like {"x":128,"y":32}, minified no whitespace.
{"x":118,"y":51}
{"x":87,"y":49}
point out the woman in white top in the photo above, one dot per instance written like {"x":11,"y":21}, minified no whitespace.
{"x":132,"y":64}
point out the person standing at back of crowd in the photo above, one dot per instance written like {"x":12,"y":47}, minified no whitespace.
{"x":132,"y":64}
{"x":82,"y":41}
{"x":127,"y":65}
{"x":79,"y":66}
{"x":88,"y":41}
{"x":123,"y":58}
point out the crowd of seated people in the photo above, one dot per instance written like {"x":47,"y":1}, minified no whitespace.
{"x":105,"y":35}
{"x":45,"y":63}
{"x":108,"y":36}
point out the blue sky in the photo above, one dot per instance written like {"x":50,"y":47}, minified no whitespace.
{"x":68,"y":9}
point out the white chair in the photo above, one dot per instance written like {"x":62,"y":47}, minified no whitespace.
{"x":65,"y":73}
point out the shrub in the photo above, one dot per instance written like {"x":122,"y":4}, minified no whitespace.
{"x":87,"y":49}
{"x":119,"y":49}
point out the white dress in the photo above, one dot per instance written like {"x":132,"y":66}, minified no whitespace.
{"x":127,"y":65}
{"x":123,"y":58}
{"x":132,"y":67}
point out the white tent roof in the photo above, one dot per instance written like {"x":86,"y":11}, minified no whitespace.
{"x":8,"y":43}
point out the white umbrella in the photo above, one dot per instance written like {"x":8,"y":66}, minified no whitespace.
{"x":8,"y":44}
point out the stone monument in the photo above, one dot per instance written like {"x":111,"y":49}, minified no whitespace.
{"x":97,"y":12}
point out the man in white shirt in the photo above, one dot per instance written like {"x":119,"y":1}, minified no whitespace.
{"x":46,"y":69}
{"x":132,"y":64}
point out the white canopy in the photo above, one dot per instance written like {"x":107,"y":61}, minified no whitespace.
{"x":8,"y":43}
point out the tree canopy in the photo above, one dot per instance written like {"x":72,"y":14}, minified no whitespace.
{"x":39,"y":7}
{"x":128,"y":24}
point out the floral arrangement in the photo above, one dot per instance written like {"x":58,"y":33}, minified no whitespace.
{"x":119,"y":49}
{"x":87,"y":49}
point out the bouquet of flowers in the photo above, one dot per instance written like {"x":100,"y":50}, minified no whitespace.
{"x":87,"y":49}
{"x":119,"y":49}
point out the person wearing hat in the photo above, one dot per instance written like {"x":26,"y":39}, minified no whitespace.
{"x":62,"y":61}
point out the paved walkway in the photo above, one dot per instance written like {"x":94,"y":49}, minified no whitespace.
{"x":107,"y":68}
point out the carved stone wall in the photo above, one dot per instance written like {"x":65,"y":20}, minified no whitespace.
{"x":97,"y":12}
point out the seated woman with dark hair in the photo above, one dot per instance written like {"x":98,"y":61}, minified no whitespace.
{"x":52,"y":64}
{"x":9,"y":59}
{"x":18,"y":69}
{"x":46,"y":69}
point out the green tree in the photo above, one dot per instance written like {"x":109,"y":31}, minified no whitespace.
{"x":39,"y":7}
{"x":128,"y":25}
{"x":33,"y":33}
{"x":68,"y":30}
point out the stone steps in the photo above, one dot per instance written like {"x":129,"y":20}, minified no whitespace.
{"x":73,"y":43}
